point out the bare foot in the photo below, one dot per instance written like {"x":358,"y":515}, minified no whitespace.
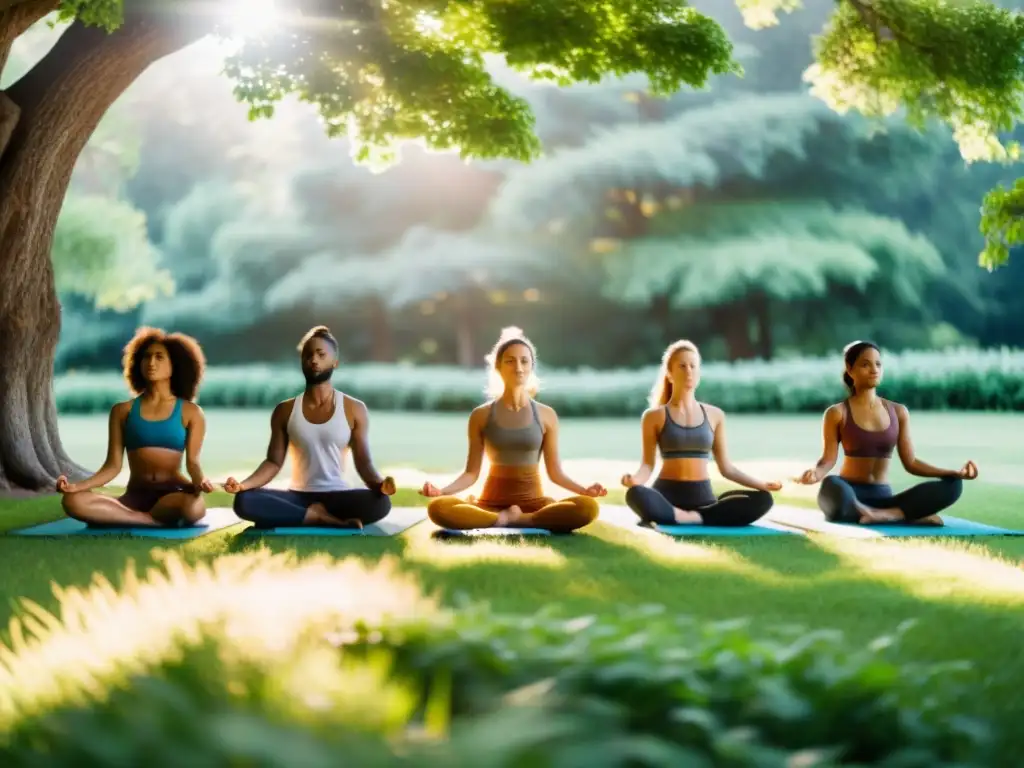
{"x":317,"y":515}
{"x":687,"y":517}
{"x":931,"y":520}
{"x":872,"y":516}
{"x":507,"y":518}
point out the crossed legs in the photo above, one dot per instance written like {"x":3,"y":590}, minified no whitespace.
{"x":562,"y":516}
{"x":273,"y":508}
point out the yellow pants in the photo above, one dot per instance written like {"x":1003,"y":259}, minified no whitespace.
{"x":521,"y":488}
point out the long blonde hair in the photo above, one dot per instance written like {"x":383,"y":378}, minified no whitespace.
{"x":509,"y":336}
{"x":661,"y":392}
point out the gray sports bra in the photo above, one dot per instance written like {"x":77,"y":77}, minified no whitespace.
{"x":679,"y":442}
{"x":513,"y":446}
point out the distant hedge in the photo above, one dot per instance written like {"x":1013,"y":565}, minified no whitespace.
{"x":990,"y":380}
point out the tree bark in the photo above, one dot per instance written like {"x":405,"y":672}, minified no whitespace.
{"x":763,"y":318}
{"x":733,"y":322}
{"x":464,"y":347}
{"x":382,"y":335}
{"x":59,"y":102}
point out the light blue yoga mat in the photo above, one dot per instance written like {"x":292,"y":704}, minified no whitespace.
{"x":814,"y":520}
{"x":215,"y":520}
{"x":399,"y":519}
{"x":625,"y":518}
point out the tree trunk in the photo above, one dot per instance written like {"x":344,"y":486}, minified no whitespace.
{"x":763,"y":318}
{"x":57,"y":106}
{"x":464,"y":347}
{"x":382,"y":335}
{"x":733,"y":321}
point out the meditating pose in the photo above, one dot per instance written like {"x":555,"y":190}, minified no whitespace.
{"x":155,"y":428}
{"x":869,"y":427}
{"x":317,"y":429}
{"x":688,"y":433}
{"x":515,"y":431}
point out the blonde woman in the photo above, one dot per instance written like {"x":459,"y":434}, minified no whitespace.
{"x":515,"y":431}
{"x":688,"y":433}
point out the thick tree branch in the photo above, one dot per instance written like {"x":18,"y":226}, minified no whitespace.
{"x":18,"y":17}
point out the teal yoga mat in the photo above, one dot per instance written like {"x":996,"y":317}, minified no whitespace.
{"x":215,"y":520}
{"x":625,"y":518}
{"x":399,"y":519}
{"x":814,"y":521}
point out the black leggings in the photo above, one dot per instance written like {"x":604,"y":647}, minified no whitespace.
{"x":837,"y":496}
{"x":272,"y":508}
{"x":658,"y":503}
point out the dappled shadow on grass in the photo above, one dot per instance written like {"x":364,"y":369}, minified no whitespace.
{"x":969,"y":605}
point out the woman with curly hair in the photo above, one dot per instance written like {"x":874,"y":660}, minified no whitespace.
{"x":155,"y":428}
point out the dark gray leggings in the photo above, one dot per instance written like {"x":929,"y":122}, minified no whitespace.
{"x":272,"y":508}
{"x":733,"y":509}
{"x":837,"y":496}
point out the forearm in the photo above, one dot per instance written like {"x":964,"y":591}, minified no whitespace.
{"x":741,"y":478}
{"x":103,"y":476}
{"x":563,"y":481}
{"x":919,"y":468}
{"x":264,"y":473}
{"x":195,"y":471}
{"x":369,"y":474}
{"x":459,"y":484}
{"x":642,"y":474}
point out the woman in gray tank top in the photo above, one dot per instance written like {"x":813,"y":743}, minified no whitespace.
{"x":688,"y":434}
{"x":515,"y":432}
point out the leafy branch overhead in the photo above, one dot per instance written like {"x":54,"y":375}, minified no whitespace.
{"x":384,"y":73}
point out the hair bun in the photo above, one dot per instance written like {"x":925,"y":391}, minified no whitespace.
{"x":510,"y":332}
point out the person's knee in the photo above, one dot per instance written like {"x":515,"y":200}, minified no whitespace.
{"x":194,"y":511}
{"x":954,"y":487}
{"x":71,"y":503}
{"x":378,"y":510}
{"x":243,"y":503}
{"x":438,"y":510}
{"x":587,"y":507}
{"x":634,"y":497}
{"x":762,"y":501}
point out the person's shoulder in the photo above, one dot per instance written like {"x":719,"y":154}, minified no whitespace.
{"x":122,"y":409}
{"x":712,"y":410}
{"x":284,"y":408}
{"x":354,"y":404}
{"x":900,"y":409}
{"x":481,"y":412}
{"x":190,"y":408}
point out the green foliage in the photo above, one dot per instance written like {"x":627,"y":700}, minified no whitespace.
{"x":960,"y":62}
{"x":96,"y":13}
{"x":790,"y":251}
{"x":237,"y":671}
{"x":417,"y":70}
{"x":101,"y":250}
{"x":668,"y":690}
{"x":952,"y":379}
{"x":1002,"y":224}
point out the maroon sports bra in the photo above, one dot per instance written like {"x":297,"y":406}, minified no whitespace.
{"x":869,"y":444}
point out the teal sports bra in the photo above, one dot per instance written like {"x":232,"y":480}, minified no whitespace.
{"x":679,"y":442}
{"x":142,"y":433}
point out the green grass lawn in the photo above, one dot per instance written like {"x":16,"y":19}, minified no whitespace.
{"x":966,"y":595}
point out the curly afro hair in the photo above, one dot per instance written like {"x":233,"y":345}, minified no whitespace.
{"x":188,"y":364}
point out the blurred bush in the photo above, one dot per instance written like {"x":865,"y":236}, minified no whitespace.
{"x":248,"y":660}
{"x":962,"y":379}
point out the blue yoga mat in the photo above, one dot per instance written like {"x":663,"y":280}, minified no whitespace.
{"x":215,"y":520}
{"x":399,"y":519}
{"x":625,"y":518}
{"x":813,"y":520}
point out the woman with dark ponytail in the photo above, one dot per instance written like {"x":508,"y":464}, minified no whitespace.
{"x":869,"y":427}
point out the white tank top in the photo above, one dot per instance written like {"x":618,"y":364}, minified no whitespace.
{"x":317,"y":451}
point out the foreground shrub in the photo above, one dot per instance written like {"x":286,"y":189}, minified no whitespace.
{"x":261,"y":660}
{"x":963,"y":380}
